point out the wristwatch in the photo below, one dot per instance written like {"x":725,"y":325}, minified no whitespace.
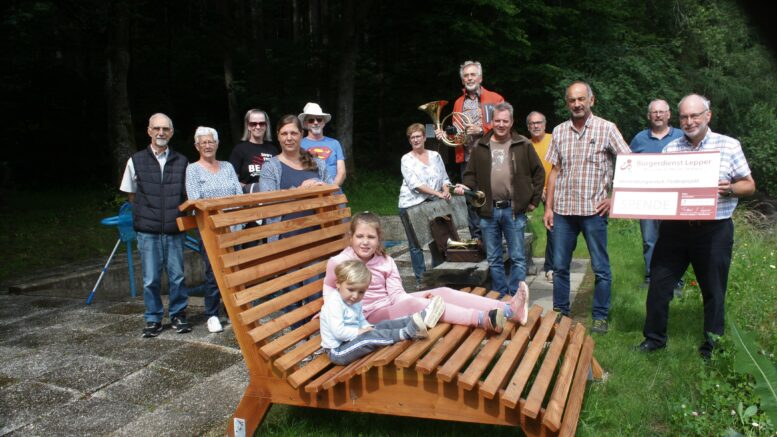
{"x":730,"y":191}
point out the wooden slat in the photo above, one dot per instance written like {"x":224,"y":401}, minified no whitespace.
{"x":246,"y":235}
{"x":419,"y":347}
{"x":374,"y":357}
{"x":597,"y":373}
{"x":283,"y":300}
{"x":280,"y":344}
{"x":471,"y":376}
{"x":231,"y":259}
{"x":282,"y":322}
{"x":242,"y":200}
{"x":572,"y":413}
{"x":275,"y":285}
{"x":392,"y":352}
{"x":186,"y":223}
{"x":459,"y":358}
{"x":541,"y":383}
{"x":558,"y":399}
{"x":240,"y":216}
{"x":279,"y":266}
{"x":310,"y":370}
{"x":315,"y":385}
{"x":528,"y":362}
{"x":442,"y":349}
{"x":347,"y":373}
{"x":289,"y":360}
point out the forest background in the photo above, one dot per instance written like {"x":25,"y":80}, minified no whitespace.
{"x":82,"y":77}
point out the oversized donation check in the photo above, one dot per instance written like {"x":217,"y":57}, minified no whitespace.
{"x":666,"y":186}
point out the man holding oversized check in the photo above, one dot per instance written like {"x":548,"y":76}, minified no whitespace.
{"x":695,"y":210}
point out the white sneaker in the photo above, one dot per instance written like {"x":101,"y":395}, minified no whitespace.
{"x":214,"y":325}
{"x":549,"y":276}
{"x":433,"y":312}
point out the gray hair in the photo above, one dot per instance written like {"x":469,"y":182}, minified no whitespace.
{"x":705,"y":101}
{"x":656,"y":101}
{"x":159,"y":114}
{"x":580,"y":82}
{"x":247,"y":134}
{"x":467,"y":64}
{"x":203,"y":131}
{"x":544,"y":120}
{"x":504,"y":106}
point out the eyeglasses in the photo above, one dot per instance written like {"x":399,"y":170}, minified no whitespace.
{"x":658,"y":112}
{"x":418,"y":137}
{"x":257,"y":123}
{"x":536,"y":123}
{"x":693,"y":117}
{"x":207,"y":142}
{"x":315,"y":119}
{"x":164,"y":129}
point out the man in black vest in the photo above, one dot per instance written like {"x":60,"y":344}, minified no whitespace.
{"x":155,"y":180}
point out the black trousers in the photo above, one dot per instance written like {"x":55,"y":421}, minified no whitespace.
{"x":707,"y":246}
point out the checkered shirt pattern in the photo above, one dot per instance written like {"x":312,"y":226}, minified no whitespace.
{"x":733,"y":165}
{"x":586,"y":161}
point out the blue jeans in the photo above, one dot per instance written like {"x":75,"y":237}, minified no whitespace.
{"x":416,"y":253}
{"x":566,"y":228}
{"x":157,"y":251}
{"x":503,"y":223}
{"x":212,"y":296}
{"x":649,"y":230}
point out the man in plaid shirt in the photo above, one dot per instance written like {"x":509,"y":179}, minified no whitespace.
{"x":706,"y":245}
{"x":582,"y":152}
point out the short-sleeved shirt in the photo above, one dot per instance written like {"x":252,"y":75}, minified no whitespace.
{"x":585,"y":159}
{"x":328,"y":149}
{"x":541,"y":147}
{"x":645,"y":142}
{"x":415,"y":173}
{"x":733,"y":165}
{"x":247,"y":158}
{"x":501,"y":180}
{"x":202,"y":184}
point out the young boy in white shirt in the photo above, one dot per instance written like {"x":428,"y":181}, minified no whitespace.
{"x":345,"y":333}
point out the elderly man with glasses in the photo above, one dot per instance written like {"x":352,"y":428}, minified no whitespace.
{"x":314,"y":119}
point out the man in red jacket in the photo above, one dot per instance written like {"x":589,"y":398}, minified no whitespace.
{"x":477,"y":103}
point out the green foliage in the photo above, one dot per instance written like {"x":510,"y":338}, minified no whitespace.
{"x":758,"y":143}
{"x":750,"y":360}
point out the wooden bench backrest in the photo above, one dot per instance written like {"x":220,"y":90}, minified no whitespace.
{"x":261,"y":284}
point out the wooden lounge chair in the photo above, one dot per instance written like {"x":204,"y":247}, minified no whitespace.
{"x":532,"y":376}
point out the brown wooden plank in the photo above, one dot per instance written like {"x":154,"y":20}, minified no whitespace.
{"x":374,"y":357}
{"x":290,"y":359}
{"x":275,"y":285}
{"x":392,"y":352}
{"x":286,"y":341}
{"x":347,"y":373}
{"x":279,"y":323}
{"x":281,"y":265}
{"x":310,"y":370}
{"x":186,"y":223}
{"x":269,"y":210}
{"x":242,"y":200}
{"x":260,"y":232}
{"x":283,"y":300}
{"x":419,"y":347}
{"x":558,"y":398}
{"x":471,"y":376}
{"x":315,"y":385}
{"x":572,"y":413}
{"x":528,"y":362}
{"x":541,"y":383}
{"x":597,"y":373}
{"x":451,"y":368}
{"x":442,"y":349}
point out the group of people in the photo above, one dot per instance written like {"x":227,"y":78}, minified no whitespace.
{"x":571,"y":170}
{"x":157,"y":179}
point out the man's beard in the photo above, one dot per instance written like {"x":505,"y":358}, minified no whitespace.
{"x":316,"y":130}
{"x":161,"y":142}
{"x":472,"y":88}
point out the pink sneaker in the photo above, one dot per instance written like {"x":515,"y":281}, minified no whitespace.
{"x":519,"y":304}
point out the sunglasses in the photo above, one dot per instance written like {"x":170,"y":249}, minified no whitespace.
{"x":315,"y":119}
{"x":257,"y":123}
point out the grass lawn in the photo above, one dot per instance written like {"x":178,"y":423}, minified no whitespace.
{"x":671,"y":392}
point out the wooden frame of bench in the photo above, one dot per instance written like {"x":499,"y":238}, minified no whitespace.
{"x":533,"y":376}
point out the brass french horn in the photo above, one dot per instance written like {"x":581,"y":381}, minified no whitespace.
{"x":475,"y":198}
{"x":454,"y":124}
{"x":466,"y":244}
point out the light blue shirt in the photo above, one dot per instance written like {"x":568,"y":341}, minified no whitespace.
{"x":202,"y":184}
{"x":645,"y":142}
{"x":340,"y":322}
{"x":733,"y":165}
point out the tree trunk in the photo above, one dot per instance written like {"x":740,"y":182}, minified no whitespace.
{"x":345,"y":86}
{"x":235,"y":122}
{"x":296,"y":20}
{"x":121,"y":139}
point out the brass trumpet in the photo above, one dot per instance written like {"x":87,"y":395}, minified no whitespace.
{"x":475,"y":198}
{"x":466,"y":244}
{"x":456,"y":131}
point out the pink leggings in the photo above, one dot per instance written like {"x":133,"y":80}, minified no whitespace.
{"x":460,"y":308}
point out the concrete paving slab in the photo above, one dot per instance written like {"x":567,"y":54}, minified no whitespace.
{"x":22,"y":403}
{"x":148,"y":387}
{"x":88,"y":373}
{"x":200,"y":359}
{"x":90,"y":416}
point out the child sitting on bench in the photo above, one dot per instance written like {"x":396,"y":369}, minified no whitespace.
{"x":345,"y":333}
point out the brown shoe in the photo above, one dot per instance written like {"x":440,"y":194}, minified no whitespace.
{"x":494,"y":320}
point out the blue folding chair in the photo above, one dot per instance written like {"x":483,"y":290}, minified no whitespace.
{"x":123,"y":222}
